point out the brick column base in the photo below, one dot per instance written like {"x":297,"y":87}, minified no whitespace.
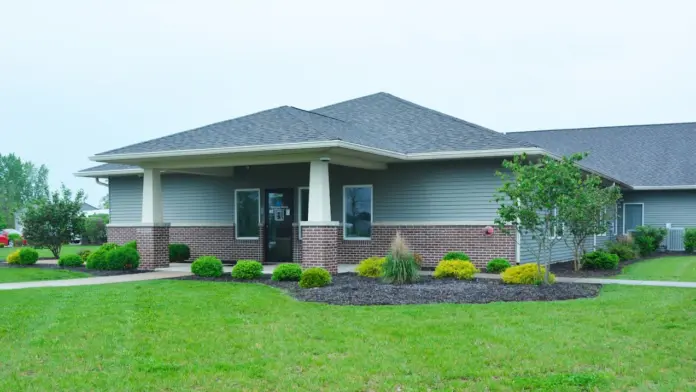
{"x":320,"y":247}
{"x":153,"y":246}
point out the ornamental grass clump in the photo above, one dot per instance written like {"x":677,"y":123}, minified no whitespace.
{"x":401,"y":266}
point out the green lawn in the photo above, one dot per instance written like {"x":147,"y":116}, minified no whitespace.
{"x":28,"y":274}
{"x":67,"y":249}
{"x":678,"y":268}
{"x":203,"y":336}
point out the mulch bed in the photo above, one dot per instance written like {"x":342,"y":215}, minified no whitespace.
{"x":350,"y":289}
{"x":566,"y":269}
{"x":78,"y":269}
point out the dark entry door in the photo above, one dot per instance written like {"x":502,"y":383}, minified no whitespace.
{"x":280,"y":215}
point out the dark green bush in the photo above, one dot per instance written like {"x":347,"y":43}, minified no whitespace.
{"x":497,"y":266}
{"x":689,"y":240}
{"x":2,"y":245}
{"x":314,"y":277}
{"x":624,"y":247}
{"x":247,"y":269}
{"x":649,"y":238}
{"x":97,"y":259}
{"x":207,"y":266}
{"x":70,"y":261}
{"x":132,"y":244}
{"x":600,"y":259}
{"x":122,"y":258}
{"x":179,"y":253}
{"x":456,"y":256}
{"x":401,"y":266}
{"x":288,"y":271}
{"x":28,"y":256}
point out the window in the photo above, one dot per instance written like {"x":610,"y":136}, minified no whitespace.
{"x":247,"y":213}
{"x":632,"y":216}
{"x":357,"y":212}
{"x":303,"y":208}
{"x":556,"y":232}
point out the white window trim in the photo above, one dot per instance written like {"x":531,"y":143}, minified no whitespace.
{"x":642,"y":215}
{"x":299,"y":210}
{"x":236,"y":215}
{"x":372,"y":215}
{"x":555,"y":226}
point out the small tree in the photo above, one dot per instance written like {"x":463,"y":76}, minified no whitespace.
{"x":529,"y":199}
{"x":589,"y":210}
{"x":52,"y":222}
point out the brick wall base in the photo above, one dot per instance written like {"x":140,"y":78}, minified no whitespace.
{"x":153,"y":246}
{"x":120,"y":235}
{"x":320,"y":247}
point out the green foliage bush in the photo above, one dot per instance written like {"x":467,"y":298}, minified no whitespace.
{"x":401,"y":266}
{"x":526,"y":274}
{"x":459,"y":269}
{"x":122,"y":258}
{"x":247,"y":269}
{"x":456,"y":256}
{"x":28,"y":256}
{"x":2,"y":246}
{"x":690,"y":240}
{"x":95,"y":229}
{"x":70,"y":261}
{"x":13,"y":258}
{"x":207,"y":266}
{"x":287,"y":272}
{"x":624,"y":248}
{"x":600,"y":259}
{"x":84,"y":254}
{"x":372,"y":267}
{"x":649,"y":238}
{"x":314,"y":277}
{"x":497,"y":266}
{"x":179,"y":253}
{"x":97,"y":259}
{"x":131,"y":244}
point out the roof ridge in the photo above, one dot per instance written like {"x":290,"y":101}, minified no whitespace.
{"x":604,"y":127}
{"x":306,"y":123}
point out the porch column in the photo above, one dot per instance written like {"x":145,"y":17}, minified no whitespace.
{"x":152,"y":234}
{"x":320,"y":234}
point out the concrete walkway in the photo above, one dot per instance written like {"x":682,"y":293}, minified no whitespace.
{"x":94,"y":280}
{"x":626,"y":282}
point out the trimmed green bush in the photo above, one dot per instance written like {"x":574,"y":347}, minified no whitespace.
{"x":314,"y":277}
{"x":28,"y":256}
{"x":689,"y":240}
{"x":122,"y":258}
{"x":649,"y":238}
{"x":625,"y":250}
{"x":70,"y":261}
{"x":247,"y":269}
{"x":207,"y":266}
{"x":600,"y":259}
{"x":526,"y":274}
{"x":401,"y":266}
{"x":179,"y":253}
{"x":459,"y":269}
{"x":497,"y":266}
{"x":372,"y":267}
{"x":132,"y":244}
{"x":456,"y":256}
{"x":287,"y":272}
{"x":97,"y":259}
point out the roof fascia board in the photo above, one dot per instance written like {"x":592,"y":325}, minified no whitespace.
{"x":663,"y":187}
{"x":108,"y":173}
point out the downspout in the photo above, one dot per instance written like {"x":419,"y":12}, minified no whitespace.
{"x":106,"y":184}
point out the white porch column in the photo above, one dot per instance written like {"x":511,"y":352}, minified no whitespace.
{"x":319,"y":193}
{"x":152,"y":197}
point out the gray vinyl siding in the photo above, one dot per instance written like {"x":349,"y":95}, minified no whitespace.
{"x":197,"y":199}
{"x":662,"y":207}
{"x":125,"y":199}
{"x":561,"y":251}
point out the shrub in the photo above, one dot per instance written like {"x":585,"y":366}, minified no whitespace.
{"x":2,"y":246}
{"x":247,"y":269}
{"x":600,"y":259}
{"x":400,"y":266}
{"x":84,"y":254}
{"x":456,"y":256}
{"x":497,"y":266}
{"x":207,"y":266}
{"x":690,"y":240}
{"x":315,"y":277}
{"x":526,"y":274}
{"x":418,"y":258}
{"x":13,"y":258}
{"x":372,"y":267}
{"x":131,"y":244}
{"x":459,"y":269}
{"x":95,"y":229}
{"x":287,"y":271}
{"x":649,"y":238}
{"x":122,"y":258}
{"x":624,"y":249}
{"x":97,"y":259}
{"x":179,"y":253}
{"x":70,"y":261}
{"x":28,"y":256}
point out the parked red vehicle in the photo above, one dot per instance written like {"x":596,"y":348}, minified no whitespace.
{"x":5,"y":236}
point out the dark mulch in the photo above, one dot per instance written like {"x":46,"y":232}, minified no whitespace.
{"x":566,"y":269}
{"x":78,"y":269}
{"x":350,"y":289}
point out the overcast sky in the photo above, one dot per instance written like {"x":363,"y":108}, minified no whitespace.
{"x":82,"y":77}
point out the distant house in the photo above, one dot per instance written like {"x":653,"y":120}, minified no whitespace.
{"x":87,"y":207}
{"x":334,"y":184}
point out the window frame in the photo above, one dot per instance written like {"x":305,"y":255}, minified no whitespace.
{"x":299,"y":209}
{"x":236,"y":212}
{"x":642,"y":215}
{"x":372,"y":208}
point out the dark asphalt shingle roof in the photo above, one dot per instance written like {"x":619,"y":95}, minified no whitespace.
{"x":639,"y":155}
{"x":379,"y":120}
{"x":109,"y":167}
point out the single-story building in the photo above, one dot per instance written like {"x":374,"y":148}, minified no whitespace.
{"x":334,"y":184}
